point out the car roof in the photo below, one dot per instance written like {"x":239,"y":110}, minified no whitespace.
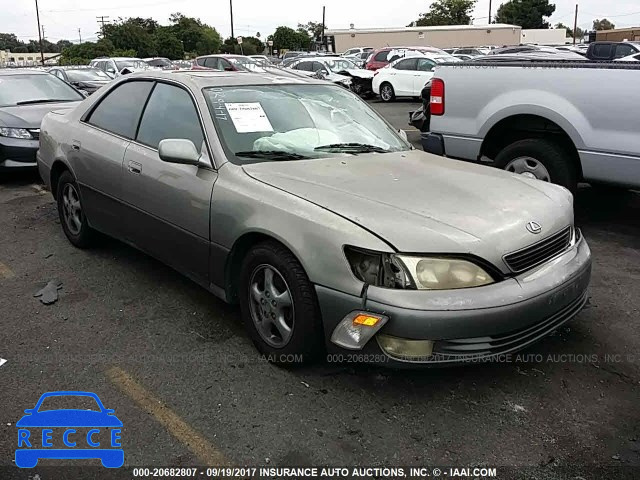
{"x":22,"y":71}
{"x":212,"y":78}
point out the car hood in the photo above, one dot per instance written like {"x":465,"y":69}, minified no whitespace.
{"x":419,"y":202}
{"x":30,"y":116}
{"x":69,"y":418}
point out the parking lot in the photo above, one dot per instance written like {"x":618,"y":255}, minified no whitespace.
{"x":190,"y":389}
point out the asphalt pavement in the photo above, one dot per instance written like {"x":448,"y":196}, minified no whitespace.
{"x":185,"y":380}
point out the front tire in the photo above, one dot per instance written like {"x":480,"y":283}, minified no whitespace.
{"x":72,"y":217}
{"x":387,"y":93}
{"x":279,"y":305}
{"x":541,"y":159}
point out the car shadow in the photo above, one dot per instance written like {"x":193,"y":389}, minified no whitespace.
{"x":19,"y":178}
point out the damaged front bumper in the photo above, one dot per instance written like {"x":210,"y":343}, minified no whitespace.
{"x":466,"y":325}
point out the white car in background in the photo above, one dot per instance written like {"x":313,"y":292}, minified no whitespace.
{"x":338,"y":70}
{"x":356,"y":51}
{"x":118,"y":66}
{"x":406,"y":77}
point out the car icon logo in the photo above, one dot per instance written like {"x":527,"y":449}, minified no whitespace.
{"x":534,"y":227}
{"x":78,"y":433}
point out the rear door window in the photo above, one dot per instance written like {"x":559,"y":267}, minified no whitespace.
{"x":304,"y":66}
{"x":381,"y":56}
{"x":170,"y":113}
{"x":602,"y":50}
{"x":407,"y":64}
{"x":212,"y":62}
{"x":119,"y":112}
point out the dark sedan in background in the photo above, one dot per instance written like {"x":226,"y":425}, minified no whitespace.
{"x":86,"y":79}
{"x":26,"y":96}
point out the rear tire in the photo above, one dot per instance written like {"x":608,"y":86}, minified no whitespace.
{"x":281,"y":315}
{"x":540,"y":158}
{"x":72,"y":217}
{"x":387,"y":93}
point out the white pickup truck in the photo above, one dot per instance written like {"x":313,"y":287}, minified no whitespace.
{"x":562,"y":122}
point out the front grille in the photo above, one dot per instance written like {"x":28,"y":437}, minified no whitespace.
{"x":465,"y":348}
{"x":540,"y":252}
{"x":35,"y":133}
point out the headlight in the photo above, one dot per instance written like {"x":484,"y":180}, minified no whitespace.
{"x":415,"y":272}
{"x":15,"y":133}
{"x":432,"y":273}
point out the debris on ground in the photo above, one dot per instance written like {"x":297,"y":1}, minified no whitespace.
{"x":305,"y":384}
{"x":49,"y":294}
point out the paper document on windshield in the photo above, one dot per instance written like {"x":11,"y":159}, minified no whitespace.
{"x":249,"y":117}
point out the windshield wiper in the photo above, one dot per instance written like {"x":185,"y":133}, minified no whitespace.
{"x":271,"y":154}
{"x":352,"y":148}
{"x":43,"y":100}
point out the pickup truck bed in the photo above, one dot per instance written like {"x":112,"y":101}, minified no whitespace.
{"x":560,"y":121}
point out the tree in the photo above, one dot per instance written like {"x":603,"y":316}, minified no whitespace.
{"x":447,"y":12}
{"x":579,"y":32}
{"x":197,"y":37}
{"x":167,"y":44}
{"x":603,"y":24}
{"x":526,"y":13}
{"x":285,"y":38}
{"x":132,"y":34}
{"x":312,"y":28}
{"x":81,"y":54}
{"x":8,"y":41}
{"x":21,"y":49}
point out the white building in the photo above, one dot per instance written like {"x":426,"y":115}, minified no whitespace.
{"x":445,"y":36}
{"x":8,"y":59}
{"x":544,"y":36}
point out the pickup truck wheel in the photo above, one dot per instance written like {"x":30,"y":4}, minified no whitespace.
{"x":72,"y":217}
{"x":387,"y":94}
{"x":279,"y":305}
{"x":541,"y":159}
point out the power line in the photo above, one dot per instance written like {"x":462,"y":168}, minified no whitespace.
{"x":101,"y":19}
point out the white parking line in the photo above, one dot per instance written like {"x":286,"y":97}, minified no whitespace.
{"x":2,"y":361}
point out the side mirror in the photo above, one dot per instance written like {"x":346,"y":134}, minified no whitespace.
{"x":29,"y":411}
{"x":320,"y":74}
{"x":228,"y":69}
{"x":178,"y":150}
{"x":111,"y":70}
{"x":109,"y":411}
{"x":403,"y":134}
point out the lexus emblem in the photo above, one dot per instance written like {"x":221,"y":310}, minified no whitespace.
{"x":534,"y":227}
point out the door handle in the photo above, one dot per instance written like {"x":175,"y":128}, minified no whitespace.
{"x":75,"y":144}
{"x":135,"y":167}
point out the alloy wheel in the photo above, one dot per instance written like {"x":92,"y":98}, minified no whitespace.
{"x":386,"y":93}
{"x":72,"y":209}
{"x":271,"y":306}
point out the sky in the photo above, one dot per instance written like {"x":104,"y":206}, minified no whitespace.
{"x":63,"y":18}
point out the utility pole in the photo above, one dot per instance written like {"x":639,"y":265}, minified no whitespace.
{"x":322,"y":36}
{"x":102,"y":19}
{"x":575,"y":25}
{"x":231,"y":11}
{"x":489,"y":11}
{"x":39,"y":34}
{"x":80,"y":36}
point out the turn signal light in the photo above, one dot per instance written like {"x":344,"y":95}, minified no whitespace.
{"x":366,"y":320}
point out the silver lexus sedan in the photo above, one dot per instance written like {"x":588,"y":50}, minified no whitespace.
{"x":294,"y":199}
